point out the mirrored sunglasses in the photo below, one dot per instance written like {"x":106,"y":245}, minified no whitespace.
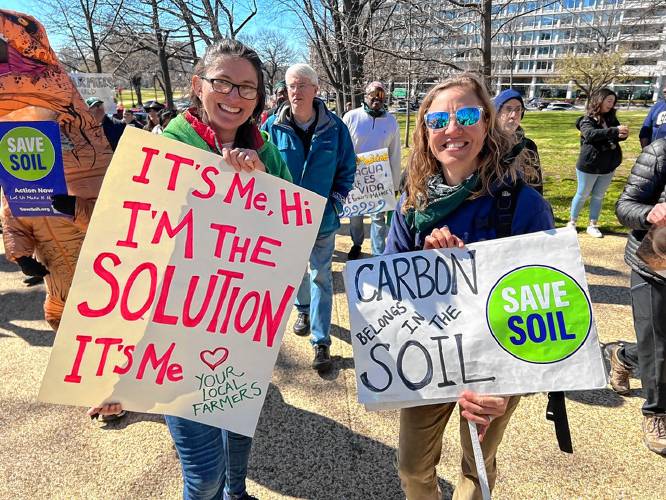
{"x":465,"y":117}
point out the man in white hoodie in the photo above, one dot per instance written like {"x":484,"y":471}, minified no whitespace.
{"x":372,"y":127}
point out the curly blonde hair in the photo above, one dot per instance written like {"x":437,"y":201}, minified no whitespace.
{"x":497,"y":145}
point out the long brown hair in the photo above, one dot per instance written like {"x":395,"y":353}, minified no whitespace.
{"x":492,"y":169}
{"x":595,"y":102}
{"x":233,"y":48}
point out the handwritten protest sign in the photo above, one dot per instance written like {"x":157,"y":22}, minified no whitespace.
{"x":31,"y":167}
{"x":500,"y":317}
{"x":183,"y":287}
{"x":373,"y":190}
{"x":96,"y":85}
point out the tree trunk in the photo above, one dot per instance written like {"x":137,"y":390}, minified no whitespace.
{"x":486,"y":33}
{"x":161,"y":55}
{"x":93,"y":42}
{"x":137,"y":90}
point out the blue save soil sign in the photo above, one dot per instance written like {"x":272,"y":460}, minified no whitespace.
{"x":31,"y":167}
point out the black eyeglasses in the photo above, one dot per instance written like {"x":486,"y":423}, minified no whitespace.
{"x":225,"y":87}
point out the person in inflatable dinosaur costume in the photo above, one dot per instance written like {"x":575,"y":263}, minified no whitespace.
{"x":34,"y":86}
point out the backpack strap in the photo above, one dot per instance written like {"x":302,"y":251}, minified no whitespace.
{"x":556,"y":412}
{"x":505,"y":206}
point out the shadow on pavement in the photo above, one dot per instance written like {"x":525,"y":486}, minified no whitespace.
{"x":599,"y":397}
{"x":25,"y":306}
{"x":340,"y":333}
{"x":132,"y":418}
{"x":602,"y":271}
{"x":610,"y":294}
{"x":298,"y":453}
{"x":6,"y":266}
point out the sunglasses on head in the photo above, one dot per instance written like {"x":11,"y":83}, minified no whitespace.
{"x":465,"y":117}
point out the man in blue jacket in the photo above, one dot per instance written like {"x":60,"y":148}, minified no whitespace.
{"x":316,"y":146}
{"x":654,"y":126}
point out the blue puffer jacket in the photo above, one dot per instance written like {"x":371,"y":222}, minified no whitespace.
{"x":474,"y":221}
{"x":328,"y":168}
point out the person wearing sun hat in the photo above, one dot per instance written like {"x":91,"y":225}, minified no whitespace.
{"x":510,"y":109}
{"x":153,"y":109}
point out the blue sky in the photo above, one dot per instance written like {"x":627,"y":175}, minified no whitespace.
{"x":288,"y":21}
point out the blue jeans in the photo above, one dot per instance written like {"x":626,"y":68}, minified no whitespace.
{"x":315,"y":295}
{"x":594,"y":185}
{"x":378,"y":231}
{"x":214,"y":461}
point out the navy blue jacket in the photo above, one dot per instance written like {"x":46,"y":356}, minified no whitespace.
{"x":654,"y":126}
{"x":329,"y":167}
{"x":473,"y":221}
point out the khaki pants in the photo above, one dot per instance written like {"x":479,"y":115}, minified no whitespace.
{"x":421,"y":430}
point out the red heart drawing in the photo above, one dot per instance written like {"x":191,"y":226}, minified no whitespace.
{"x":214,"y":358}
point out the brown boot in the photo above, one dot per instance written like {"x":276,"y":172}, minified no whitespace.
{"x":654,"y":433}
{"x":619,"y":373}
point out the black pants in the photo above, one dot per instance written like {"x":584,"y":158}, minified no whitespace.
{"x":648,"y":303}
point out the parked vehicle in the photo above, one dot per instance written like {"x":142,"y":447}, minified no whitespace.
{"x":536,"y":103}
{"x":559,"y":106}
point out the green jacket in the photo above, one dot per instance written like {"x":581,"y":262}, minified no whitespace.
{"x":179,"y":130}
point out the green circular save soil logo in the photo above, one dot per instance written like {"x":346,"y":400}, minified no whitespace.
{"x":539,"y":314}
{"x":27,"y":153}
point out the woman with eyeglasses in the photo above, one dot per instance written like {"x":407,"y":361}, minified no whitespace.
{"x":456,"y":173}
{"x":228,"y":96}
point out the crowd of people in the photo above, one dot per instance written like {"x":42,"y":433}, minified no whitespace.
{"x":467,"y":149}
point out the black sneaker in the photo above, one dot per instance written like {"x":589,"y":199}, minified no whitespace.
{"x":322,"y":360}
{"x":244,"y":496}
{"x":354,"y":253}
{"x":302,"y":325}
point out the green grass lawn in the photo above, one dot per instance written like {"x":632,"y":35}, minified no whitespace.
{"x":558,"y":140}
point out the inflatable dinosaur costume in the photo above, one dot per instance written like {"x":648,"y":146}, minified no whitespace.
{"x":34,"y":86}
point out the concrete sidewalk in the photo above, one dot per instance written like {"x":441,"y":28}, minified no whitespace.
{"x":314,"y":440}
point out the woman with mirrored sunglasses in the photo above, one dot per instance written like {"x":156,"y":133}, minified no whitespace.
{"x":455,"y":173}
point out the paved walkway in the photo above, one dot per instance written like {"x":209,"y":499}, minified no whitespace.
{"x":314,"y":440}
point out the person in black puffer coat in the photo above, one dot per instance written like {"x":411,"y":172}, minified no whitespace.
{"x":600,"y":155}
{"x":641,"y":206}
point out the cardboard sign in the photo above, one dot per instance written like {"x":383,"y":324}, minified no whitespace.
{"x":183,"y":287}
{"x":96,"y":85}
{"x":501,"y":317}
{"x":31,"y":167}
{"x":373,"y":190}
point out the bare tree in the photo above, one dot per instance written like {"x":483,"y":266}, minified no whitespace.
{"x":339,"y":33}
{"x":146,"y":28}
{"x":87,"y":25}
{"x":205,"y":18}
{"x":275,"y":52}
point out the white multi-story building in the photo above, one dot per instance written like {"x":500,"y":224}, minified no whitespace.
{"x":531,"y":35}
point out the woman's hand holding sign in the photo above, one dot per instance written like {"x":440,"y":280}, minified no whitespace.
{"x":442,"y":238}
{"x":243,"y":159}
{"x":482,"y":409}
